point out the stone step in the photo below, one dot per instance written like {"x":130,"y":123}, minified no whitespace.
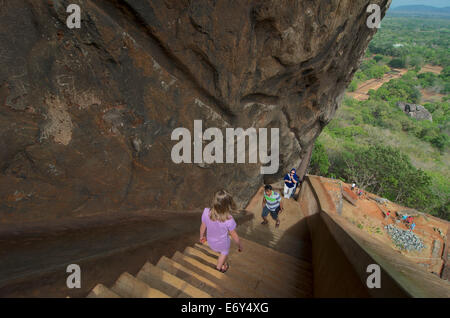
{"x":268,"y":238}
{"x":130,"y":287}
{"x":294,"y":271}
{"x":240,"y":287}
{"x":241,"y":273}
{"x":270,"y":271}
{"x":297,"y":249}
{"x":300,"y":250}
{"x":101,"y":291}
{"x":267,"y":234}
{"x":289,"y":263}
{"x":242,"y":267}
{"x":271,"y":233}
{"x":168,"y":283}
{"x":214,"y":289}
{"x":270,"y":266}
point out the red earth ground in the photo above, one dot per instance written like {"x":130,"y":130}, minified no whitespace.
{"x":370,"y":216}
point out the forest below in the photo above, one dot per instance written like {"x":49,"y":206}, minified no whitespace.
{"x":373,"y":142}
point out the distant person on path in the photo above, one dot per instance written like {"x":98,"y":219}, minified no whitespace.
{"x":218,"y":222}
{"x":299,"y":182}
{"x":412,"y":226}
{"x":404,"y":217}
{"x":290,"y":183}
{"x":271,"y":204}
{"x":409,"y":220}
{"x":353,"y":186}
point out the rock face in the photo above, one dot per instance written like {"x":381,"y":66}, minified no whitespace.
{"x":415,"y":111}
{"x":86,"y":115}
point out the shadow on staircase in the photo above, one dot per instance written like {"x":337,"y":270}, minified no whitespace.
{"x":275,"y":262}
{"x":254,"y":273}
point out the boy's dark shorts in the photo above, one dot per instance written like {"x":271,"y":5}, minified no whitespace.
{"x":273,"y":214}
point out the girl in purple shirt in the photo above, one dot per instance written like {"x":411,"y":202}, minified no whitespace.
{"x":217,"y":222}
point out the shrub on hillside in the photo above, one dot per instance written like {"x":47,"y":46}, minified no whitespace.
{"x":319,"y":164}
{"x":427,"y":79}
{"x":398,"y":63}
{"x":385,"y":171}
{"x":378,"y":58}
{"x":402,"y":89}
{"x":353,"y":86}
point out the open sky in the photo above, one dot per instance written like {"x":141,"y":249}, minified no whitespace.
{"x":434,"y":3}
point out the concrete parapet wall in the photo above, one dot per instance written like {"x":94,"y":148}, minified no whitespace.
{"x":333,"y":273}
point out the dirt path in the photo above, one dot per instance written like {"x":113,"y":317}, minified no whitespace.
{"x":431,"y":68}
{"x":361,"y":92}
{"x":430,"y":96}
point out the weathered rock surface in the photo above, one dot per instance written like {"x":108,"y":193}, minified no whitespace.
{"x":86,"y":115}
{"x":415,"y":111}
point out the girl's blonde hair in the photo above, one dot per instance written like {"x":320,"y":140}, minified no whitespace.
{"x":222,"y":206}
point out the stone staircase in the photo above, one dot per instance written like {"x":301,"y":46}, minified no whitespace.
{"x":259,"y":271}
{"x":275,"y":262}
